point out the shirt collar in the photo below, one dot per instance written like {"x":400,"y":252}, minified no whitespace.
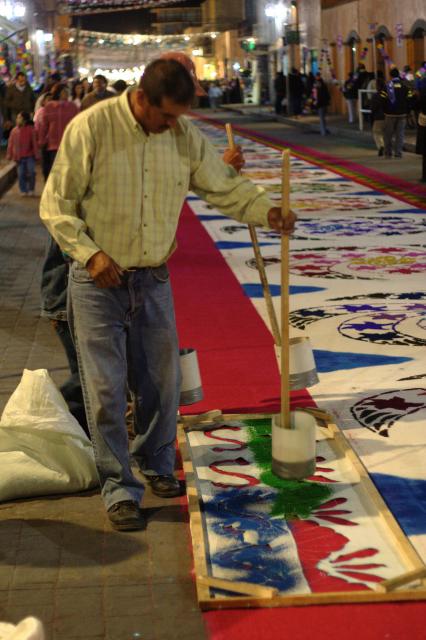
{"x":127,"y":112}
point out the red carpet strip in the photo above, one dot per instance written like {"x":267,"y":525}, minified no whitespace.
{"x":239,"y":374}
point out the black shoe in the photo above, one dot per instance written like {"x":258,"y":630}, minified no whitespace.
{"x":398,"y":155}
{"x":165,"y":486}
{"x":126,"y":516}
{"x":381,"y":151}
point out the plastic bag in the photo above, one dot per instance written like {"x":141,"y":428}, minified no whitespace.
{"x":27,"y":629}
{"x":43,"y":449}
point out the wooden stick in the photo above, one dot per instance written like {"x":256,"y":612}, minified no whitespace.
{"x":247,"y":588}
{"x":285,"y":311}
{"x":260,"y":263}
{"x":399,"y":581}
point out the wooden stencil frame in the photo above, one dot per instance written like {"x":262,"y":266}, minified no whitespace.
{"x":253,"y":595}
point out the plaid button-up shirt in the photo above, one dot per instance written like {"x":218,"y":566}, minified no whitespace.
{"x":116,"y":189}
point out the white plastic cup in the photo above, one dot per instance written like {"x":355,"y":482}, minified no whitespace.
{"x":191,"y":389}
{"x":294,"y":450}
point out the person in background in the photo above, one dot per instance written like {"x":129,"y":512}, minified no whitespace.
{"x":99,"y":92}
{"x":77,"y":93}
{"x":22,"y":148}
{"x":378,"y":117}
{"x":119,"y":86}
{"x":57,"y":113}
{"x":51,"y":80}
{"x":351,"y":96}
{"x":280,"y":91}
{"x":45,"y":163}
{"x":397,"y":101}
{"x":86,"y":86}
{"x":296,"y":90}
{"x":321,"y":100}
{"x":215,"y":95}
{"x":19,"y":97}
{"x":54,"y":278}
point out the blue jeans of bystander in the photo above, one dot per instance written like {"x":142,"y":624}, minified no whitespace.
{"x":126,"y":336}
{"x":26,"y":174}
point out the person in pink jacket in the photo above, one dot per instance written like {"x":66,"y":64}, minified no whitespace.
{"x":52,"y":122}
{"x":22,"y":148}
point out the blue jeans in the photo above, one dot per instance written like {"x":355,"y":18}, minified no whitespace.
{"x":126,"y":337}
{"x":54,"y":284}
{"x":26,"y":174}
{"x":322,"y":111}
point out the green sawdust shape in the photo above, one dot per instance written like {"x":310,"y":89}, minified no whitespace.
{"x":296,"y":498}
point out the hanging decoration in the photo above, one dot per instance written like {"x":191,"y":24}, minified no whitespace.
{"x":385,"y":56}
{"x":399,"y":29}
{"x":363,"y":54}
{"x":325,"y":59}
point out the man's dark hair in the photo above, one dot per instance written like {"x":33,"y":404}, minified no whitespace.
{"x":394,"y":73}
{"x":167,"y":79}
{"x":57,"y":89}
{"x":120,"y":85}
{"x":99,"y":76}
{"x":20,"y":73}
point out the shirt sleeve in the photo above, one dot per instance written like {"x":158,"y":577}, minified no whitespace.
{"x":221,"y":186}
{"x":67,"y":184}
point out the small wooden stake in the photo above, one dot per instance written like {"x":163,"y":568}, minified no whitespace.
{"x":259,"y":262}
{"x":285,"y":421}
{"x":247,"y":588}
{"x":400,"y":581}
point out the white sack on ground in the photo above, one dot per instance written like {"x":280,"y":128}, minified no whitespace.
{"x":43,"y":449}
{"x":27,"y":629}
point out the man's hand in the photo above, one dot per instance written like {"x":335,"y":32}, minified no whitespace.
{"x":278,"y":223}
{"x":104,"y":271}
{"x":234,"y":157}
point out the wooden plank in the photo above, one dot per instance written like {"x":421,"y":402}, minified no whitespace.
{"x":400,"y":581}
{"x":338,"y":597}
{"x":195,"y":518}
{"x":247,"y":588}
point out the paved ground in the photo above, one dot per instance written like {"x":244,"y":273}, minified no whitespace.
{"x":59,"y":559}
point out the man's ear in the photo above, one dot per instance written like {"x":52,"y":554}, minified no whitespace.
{"x":141,"y":96}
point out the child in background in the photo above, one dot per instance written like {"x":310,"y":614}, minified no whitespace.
{"x":22,"y":148}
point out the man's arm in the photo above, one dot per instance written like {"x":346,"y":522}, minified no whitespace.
{"x":65,"y":189}
{"x":235,"y":196}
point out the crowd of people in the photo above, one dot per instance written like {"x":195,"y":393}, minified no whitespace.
{"x":32,"y":123}
{"x":389,"y":106}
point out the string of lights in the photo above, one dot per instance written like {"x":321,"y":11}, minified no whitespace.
{"x":118,"y":40}
{"x":81,"y":7}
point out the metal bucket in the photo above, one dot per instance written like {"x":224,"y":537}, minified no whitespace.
{"x":294,"y":450}
{"x":303,"y":371}
{"x":191,"y":389}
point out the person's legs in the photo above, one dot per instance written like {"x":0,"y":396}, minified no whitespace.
{"x":323,"y":125}
{"x":378,"y":128}
{"x":54,"y":284}
{"x":388,"y":133}
{"x":22,"y":175}
{"x":351,"y":110}
{"x":399,"y":136}
{"x":31,"y":176}
{"x":154,"y":371}
{"x":100,"y":320}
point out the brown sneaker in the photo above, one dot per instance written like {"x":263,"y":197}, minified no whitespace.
{"x":126,"y":516}
{"x":165,"y":486}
